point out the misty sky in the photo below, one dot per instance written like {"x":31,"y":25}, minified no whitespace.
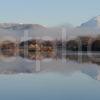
{"x":48,"y":12}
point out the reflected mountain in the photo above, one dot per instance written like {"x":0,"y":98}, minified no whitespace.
{"x":38,"y":56}
{"x":55,"y":62}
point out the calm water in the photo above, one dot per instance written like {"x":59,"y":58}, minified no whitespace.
{"x":49,"y":86}
{"x":54,"y":79}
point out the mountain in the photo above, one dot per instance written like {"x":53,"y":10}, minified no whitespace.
{"x":92,"y":23}
{"x":89,"y":28}
{"x":27,"y":31}
{"x":16,"y":26}
{"x":18,"y":30}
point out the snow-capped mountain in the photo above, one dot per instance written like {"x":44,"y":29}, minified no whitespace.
{"x":20,"y":26}
{"x":91,"y":27}
{"x":18,"y":30}
{"x":33,"y":31}
{"x":92,"y":23}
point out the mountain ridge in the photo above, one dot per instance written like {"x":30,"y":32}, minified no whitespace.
{"x":92,"y":23}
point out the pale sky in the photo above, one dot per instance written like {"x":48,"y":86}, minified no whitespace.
{"x":48,"y":12}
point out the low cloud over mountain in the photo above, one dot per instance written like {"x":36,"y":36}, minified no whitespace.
{"x":91,"y":27}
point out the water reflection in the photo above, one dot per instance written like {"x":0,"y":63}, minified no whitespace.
{"x":59,"y":61}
